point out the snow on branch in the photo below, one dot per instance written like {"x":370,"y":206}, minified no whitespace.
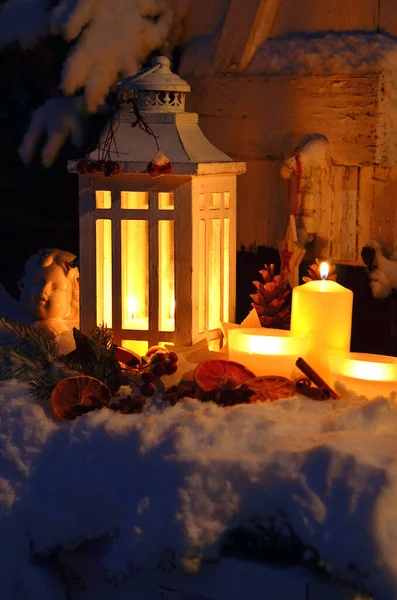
{"x":112,"y":38}
{"x":57,"y":119}
{"x":119,"y":35}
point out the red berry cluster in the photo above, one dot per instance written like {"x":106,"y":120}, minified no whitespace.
{"x":160,"y":363}
{"x":175,"y":393}
{"x":155,"y":169}
{"x":163,"y":363}
{"x":143,"y":379}
{"x":108,"y":167}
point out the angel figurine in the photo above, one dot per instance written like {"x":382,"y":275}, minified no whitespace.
{"x":50,"y":293}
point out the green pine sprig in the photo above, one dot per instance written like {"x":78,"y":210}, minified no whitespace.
{"x":30,"y":356}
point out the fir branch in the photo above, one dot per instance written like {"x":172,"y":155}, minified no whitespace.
{"x":30,"y":342}
{"x":42,"y":385}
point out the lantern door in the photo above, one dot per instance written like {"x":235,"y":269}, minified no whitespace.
{"x":130,"y":286}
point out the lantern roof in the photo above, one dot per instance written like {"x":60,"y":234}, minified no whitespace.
{"x":151,"y":119}
{"x":157,"y":77}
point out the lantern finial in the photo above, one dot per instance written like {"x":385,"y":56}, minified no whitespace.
{"x":156,"y":89}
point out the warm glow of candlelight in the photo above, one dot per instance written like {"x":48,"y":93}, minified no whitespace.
{"x":324,"y":270}
{"x":368,"y":374}
{"x":369,"y":367}
{"x":322,"y":309}
{"x":131,"y":303}
{"x":266,"y":351}
{"x":172,"y":307}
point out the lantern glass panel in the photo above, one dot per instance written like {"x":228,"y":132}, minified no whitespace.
{"x":166,"y":276}
{"x":104,"y":272}
{"x":134,"y":274}
{"x":214,"y":291}
{"x":103,"y":199}
{"x":166,"y":201}
{"x":202,"y":279}
{"x":215,"y":201}
{"x":138,"y":346}
{"x":226,"y":200}
{"x":226,"y":266}
{"x":135,"y":200}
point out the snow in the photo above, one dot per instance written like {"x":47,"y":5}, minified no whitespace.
{"x":112,"y":38}
{"x":57,"y":119}
{"x":300,"y":55}
{"x":176,"y":481}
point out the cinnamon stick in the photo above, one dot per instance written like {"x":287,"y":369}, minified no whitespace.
{"x":315,"y":377}
{"x":302,"y":383}
{"x":314,"y":393}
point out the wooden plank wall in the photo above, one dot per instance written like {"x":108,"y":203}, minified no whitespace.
{"x":258,"y":117}
{"x":326,"y":15}
{"x":358,"y":204}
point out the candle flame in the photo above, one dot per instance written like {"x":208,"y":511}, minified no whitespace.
{"x":324,"y":270}
{"x":172,"y":307}
{"x":132,"y":306}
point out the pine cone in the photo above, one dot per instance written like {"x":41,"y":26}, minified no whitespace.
{"x":272,"y":299}
{"x":314,"y":272}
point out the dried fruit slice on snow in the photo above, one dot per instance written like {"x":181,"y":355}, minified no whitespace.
{"x":216,"y":374}
{"x":269,"y":388}
{"x":74,"y":396}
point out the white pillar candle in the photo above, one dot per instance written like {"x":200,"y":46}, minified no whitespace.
{"x":323,"y":310}
{"x":266,"y":351}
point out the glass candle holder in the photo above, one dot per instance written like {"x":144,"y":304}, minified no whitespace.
{"x":369,"y":375}
{"x":266,"y":351}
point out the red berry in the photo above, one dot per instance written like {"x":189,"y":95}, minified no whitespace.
{"x":82,"y":166}
{"x":164,"y":169}
{"x":92,"y":167}
{"x":170,"y":367}
{"x":101,"y":165}
{"x":173,"y":357}
{"x":147,"y":377}
{"x":147,"y":389}
{"x":185,"y":389}
{"x":159,"y":357}
{"x":153,"y":169}
{"x":171,"y":390}
{"x":159,"y":370}
{"x":115,"y":167}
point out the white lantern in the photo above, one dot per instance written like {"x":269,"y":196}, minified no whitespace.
{"x":157,"y":253}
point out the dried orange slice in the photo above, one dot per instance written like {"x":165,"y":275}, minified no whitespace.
{"x":216,"y":374}
{"x":269,"y":388}
{"x":74,"y":396}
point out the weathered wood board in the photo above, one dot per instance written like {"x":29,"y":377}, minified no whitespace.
{"x":388,"y":16}
{"x":357,"y":205}
{"x":261,"y":204}
{"x":309,"y":16}
{"x":259,"y":117}
{"x":246,"y":26}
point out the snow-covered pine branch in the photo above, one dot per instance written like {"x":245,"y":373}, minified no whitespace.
{"x":112,"y":38}
{"x":58,"y":119}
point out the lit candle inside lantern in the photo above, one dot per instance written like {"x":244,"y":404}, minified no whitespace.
{"x":370,"y":375}
{"x":322,"y":310}
{"x":131,"y":302}
{"x":172,"y":307}
{"x":134,"y":320}
{"x":266,"y":351}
